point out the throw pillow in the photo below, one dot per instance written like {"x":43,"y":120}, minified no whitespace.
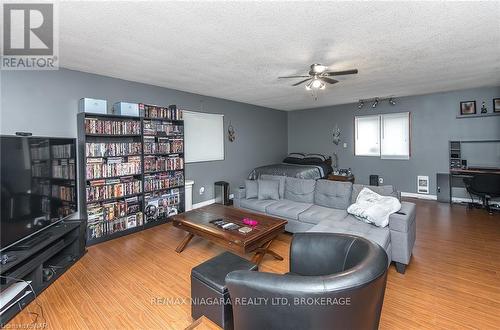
{"x":251,"y":188}
{"x":373,"y":208}
{"x":269,"y":189}
{"x":279,"y":178}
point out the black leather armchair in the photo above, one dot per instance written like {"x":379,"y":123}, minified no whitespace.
{"x":486,"y":186}
{"x":336,"y":281}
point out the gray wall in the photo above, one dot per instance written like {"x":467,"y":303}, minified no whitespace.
{"x":46,"y":103}
{"x":434,"y":123}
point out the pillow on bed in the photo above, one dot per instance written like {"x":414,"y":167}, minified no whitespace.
{"x":321,"y":157}
{"x":312,"y":160}
{"x":296,"y":155}
{"x":293,"y":160}
{"x":269,"y":189}
{"x":251,"y":188}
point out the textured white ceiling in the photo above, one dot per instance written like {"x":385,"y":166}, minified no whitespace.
{"x":237,"y":50}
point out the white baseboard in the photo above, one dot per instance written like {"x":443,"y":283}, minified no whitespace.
{"x":434,"y":197}
{"x":204,"y":203}
{"x":420,"y":196}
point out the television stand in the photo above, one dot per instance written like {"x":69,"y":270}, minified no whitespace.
{"x":32,"y":241}
{"x":40,"y":261}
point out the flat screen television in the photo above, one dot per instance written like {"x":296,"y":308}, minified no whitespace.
{"x":38,"y":185}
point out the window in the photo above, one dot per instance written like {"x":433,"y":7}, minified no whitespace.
{"x":367,"y":136}
{"x":204,"y":136}
{"x":395,"y":136}
{"x":386,"y":136}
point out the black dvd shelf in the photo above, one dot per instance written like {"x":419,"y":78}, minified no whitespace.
{"x":112,"y":163}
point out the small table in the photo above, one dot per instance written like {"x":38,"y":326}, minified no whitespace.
{"x":197,"y":222}
{"x":334,"y":177}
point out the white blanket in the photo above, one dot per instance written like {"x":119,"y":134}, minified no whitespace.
{"x":371,"y":207}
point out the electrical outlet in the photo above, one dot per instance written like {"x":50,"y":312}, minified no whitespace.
{"x":380,"y":180}
{"x":202,"y":190}
{"x":345,"y":145}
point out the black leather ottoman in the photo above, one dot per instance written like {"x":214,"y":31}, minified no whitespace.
{"x":208,"y":288}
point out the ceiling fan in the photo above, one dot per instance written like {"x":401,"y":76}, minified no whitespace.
{"x":318,"y":77}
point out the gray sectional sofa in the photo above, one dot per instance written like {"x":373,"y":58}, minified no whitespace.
{"x":320,"y":206}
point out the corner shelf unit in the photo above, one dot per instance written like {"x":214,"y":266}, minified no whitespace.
{"x":127,"y":198}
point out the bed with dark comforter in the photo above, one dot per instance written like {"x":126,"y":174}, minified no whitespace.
{"x":303,"y":168}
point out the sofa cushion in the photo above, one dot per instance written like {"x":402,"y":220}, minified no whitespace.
{"x":299,"y":190}
{"x":333,"y":194}
{"x":317,"y":213}
{"x":287,"y":209}
{"x":269,"y":189}
{"x":279,"y":178}
{"x":350,"y":225}
{"x":386,"y":190}
{"x":255,"y":204}
{"x":251,"y":188}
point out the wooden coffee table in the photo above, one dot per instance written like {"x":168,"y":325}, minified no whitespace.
{"x":197,"y":222}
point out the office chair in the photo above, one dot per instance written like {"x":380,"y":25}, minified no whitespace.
{"x":485,"y":186}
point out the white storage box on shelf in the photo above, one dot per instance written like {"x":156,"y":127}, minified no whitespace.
{"x":126,"y":109}
{"x":89,"y":105}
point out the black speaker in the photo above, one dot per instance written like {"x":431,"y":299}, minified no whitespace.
{"x":373,"y":180}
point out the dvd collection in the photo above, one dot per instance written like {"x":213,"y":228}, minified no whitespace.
{"x":65,"y":193}
{"x":112,"y":127}
{"x":61,"y":151}
{"x":163,"y":181}
{"x":97,"y":168}
{"x":112,"y":149}
{"x":169,"y":198}
{"x":99,"y":229}
{"x":63,"y":168}
{"x":163,"y":146}
{"x":112,"y":188}
{"x":159,"y":163}
{"x":39,"y":151}
{"x":154,"y":111}
{"x":107,"y":218}
{"x":160,"y":128}
{"x":41,"y":170}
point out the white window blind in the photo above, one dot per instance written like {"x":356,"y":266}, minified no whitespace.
{"x":395,"y":136}
{"x":203,"y":136}
{"x":367,"y":136}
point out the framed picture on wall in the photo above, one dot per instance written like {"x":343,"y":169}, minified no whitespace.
{"x":468,"y":108}
{"x":496,"y":105}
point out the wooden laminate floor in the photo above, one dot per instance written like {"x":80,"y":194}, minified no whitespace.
{"x":452,"y":282}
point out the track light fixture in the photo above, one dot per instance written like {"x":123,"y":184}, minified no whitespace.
{"x":375,"y":101}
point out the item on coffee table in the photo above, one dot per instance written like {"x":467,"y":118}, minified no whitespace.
{"x":250,"y":222}
{"x":245,"y":230}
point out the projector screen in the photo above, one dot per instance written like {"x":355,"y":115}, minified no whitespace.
{"x":203,"y":136}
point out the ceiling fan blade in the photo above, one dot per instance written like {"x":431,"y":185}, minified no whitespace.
{"x":293,"y":77}
{"x":329,"y":80}
{"x":341,"y":73}
{"x":301,"y":82}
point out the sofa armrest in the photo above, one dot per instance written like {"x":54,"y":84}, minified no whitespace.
{"x":401,"y":221}
{"x":240,"y":193}
{"x":402,"y":226}
{"x":238,"y":196}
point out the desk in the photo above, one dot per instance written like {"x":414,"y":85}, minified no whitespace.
{"x":459,"y":173}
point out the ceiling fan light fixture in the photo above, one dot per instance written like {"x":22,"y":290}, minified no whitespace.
{"x":316,"y":83}
{"x":392,"y":101}
{"x":318,"y":68}
{"x":361,"y":104}
{"x":375,"y":103}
